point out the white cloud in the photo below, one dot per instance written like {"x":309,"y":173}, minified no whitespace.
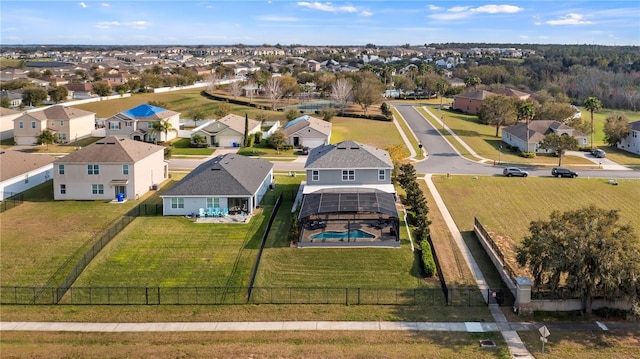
{"x":278,"y":18}
{"x":497,"y":9}
{"x":366,"y":13}
{"x":327,"y":6}
{"x":107,"y":24}
{"x":570,"y":19}
{"x":141,"y":25}
{"x":104,"y":4}
{"x":434,"y":8}
{"x":449,"y":16}
{"x":83,"y":5}
{"x":458,"y":9}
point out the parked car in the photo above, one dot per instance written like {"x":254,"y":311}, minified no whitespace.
{"x":598,"y":153}
{"x":563,"y":172}
{"x":514,"y":171}
{"x":304,"y":151}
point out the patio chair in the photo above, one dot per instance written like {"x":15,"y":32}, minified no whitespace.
{"x":216,"y":212}
{"x":210,"y":212}
{"x":201,"y":212}
{"x":225,"y":211}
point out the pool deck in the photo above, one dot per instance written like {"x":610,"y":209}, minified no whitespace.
{"x":382,"y":236}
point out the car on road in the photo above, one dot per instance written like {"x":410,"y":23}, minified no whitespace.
{"x":304,"y":151}
{"x":514,"y":172}
{"x":598,"y":153}
{"x":563,"y":172}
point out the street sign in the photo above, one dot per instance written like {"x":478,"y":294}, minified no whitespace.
{"x":544,"y":331}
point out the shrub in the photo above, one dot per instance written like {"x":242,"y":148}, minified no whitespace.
{"x":292,"y":114}
{"x":327,"y":113}
{"x":528,"y":154}
{"x":250,"y":141}
{"x":257,"y":137}
{"x":427,"y":259}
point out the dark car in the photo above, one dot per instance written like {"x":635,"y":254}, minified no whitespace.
{"x":598,"y":153}
{"x":514,"y":171}
{"x":563,"y":172}
{"x":304,"y":151}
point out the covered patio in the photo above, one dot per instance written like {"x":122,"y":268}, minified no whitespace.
{"x":348,"y":218}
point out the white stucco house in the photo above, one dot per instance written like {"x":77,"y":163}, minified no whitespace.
{"x":227,"y":131}
{"x":109,"y":167}
{"x":137,"y":123}
{"x":631,"y":143}
{"x":6,"y":122}
{"x":307,"y":131}
{"x":20,"y":171}
{"x":67,"y":124}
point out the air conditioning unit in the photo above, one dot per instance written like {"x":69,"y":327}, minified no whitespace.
{"x":154,"y":187}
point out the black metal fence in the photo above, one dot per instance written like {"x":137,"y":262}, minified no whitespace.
{"x":11,"y":201}
{"x":466,"y":296}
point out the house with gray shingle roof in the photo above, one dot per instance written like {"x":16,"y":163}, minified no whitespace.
{"x":307,"y":131}
{"x":516,"y":135}
{"x":227,"y":131}
{"x":348,"y":187}
{"x":108,"y":167}
{"x":230,"y":181}
{"x":20,"y":171}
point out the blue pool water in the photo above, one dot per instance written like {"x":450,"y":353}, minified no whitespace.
{"x":354,"y":233}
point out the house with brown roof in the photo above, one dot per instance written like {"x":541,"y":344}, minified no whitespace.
{"x":307,"y":131}
{"x":471,"y":101}
{"x":227,"y":131}
{"x":109,"y":167}
{"x":20,"y":171}
{"x":68,"y":124}
{"x":528,"y":140}
{"x":80,"y":90}
{"x":137,"y":123}
{"x":6,"y":122}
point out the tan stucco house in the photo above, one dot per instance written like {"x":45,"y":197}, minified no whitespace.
{"x":516,"y":135}
{"x":137,"y":123}
{"x":108,"y":167}
{"x":68,"y":124}
{"x":6,"y":122}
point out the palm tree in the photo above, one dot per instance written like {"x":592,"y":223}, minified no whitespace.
{"x":163,"y":126}
{"x":592,"y":104}
{"x":472,"y":81}
{"x":441,"y":87}
{"x":526,"y":111}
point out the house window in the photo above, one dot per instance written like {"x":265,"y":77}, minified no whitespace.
{"x":61,"y":123}
{"x":177,"y":203}
{"x":128,"y":124}
{"x":125,"y":169}
{"x":114,"y":125}
{"x":348,"y":175}
{"x":62,"y":136}
{"x":149,"y":125}
{"x":33,"y":124}
{"x":315,"y":175}
{"x":63,"y":189}
{"x":634,"y":134}
{"x":53,"y":123}
{"x":20,"y":124}
{"x":60,"y":169}
{"x":26,"y":178}
{"x":93,"y":169}
{"x":381,"y":175}
{"x":213,"y":202}
{"x":97,"y":189}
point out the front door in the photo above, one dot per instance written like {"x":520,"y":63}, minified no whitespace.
{"x":296,"y":141}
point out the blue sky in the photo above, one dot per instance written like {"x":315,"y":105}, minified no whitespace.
{"x":256,"y":22}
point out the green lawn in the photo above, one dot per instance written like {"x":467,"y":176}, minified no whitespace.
{"x":175,"y":251}
{"x":380,"y":134}
{"x":181,"y":148}
{"x":507,"y":205}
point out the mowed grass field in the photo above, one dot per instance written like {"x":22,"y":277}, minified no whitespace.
{"x":506,"y":206}
{"x":41,"y":235}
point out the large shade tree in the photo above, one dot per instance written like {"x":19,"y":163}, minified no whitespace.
{"x":560,"y":144}
{"x":616,"y":127}
{"x":592,"y":104}
{"x":498,"y":111}
{"x":341,"y":93}
{"x":585,"y":251}
{"x":367,"y":90}
{"x":163,"y":127}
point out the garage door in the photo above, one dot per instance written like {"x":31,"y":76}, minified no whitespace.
{"x":23,"y":141}
{"x":312,"y":142}
{"x":228,"y":141}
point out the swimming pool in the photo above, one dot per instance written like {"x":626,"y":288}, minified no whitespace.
{"x":354,"y":233}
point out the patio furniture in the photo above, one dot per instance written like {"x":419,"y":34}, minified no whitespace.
{"x":216,"y":212}
{"x":225,"y":211}
{"x":201,"y":212}
{"x":210,"y":212}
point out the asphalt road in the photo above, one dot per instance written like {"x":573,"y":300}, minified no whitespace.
{"x":442,"y":158}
